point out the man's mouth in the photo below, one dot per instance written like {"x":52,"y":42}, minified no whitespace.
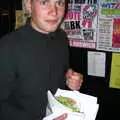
{"x":52,"y":21}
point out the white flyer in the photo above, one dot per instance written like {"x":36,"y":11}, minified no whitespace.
{"x":96,"y":63}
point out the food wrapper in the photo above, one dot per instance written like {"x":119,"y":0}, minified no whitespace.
{"x":79,"y":106}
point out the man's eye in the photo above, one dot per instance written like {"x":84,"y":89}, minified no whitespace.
{"x":61,"y":3}
{"x":44,"y":2}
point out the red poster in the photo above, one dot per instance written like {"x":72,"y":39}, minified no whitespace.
{"x":116,"y":33}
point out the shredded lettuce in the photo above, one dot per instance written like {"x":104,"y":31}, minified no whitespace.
{"x":68,"y":102}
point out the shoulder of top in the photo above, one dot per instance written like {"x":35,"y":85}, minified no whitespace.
{"x":12,"y":35}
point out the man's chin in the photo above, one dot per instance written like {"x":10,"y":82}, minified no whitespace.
{"x":53,"y":29}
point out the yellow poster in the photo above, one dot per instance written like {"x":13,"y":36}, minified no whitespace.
{"x":115,"y":71}
{"x":19,"y":18}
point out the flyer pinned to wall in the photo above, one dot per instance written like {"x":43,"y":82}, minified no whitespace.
{"x":19,"y":19}
{"x":115,"y":71}
{"x":109,"y":8}
{"x":96,"y":63}
{"x":80,"y":24}
{"x":109,"y":26}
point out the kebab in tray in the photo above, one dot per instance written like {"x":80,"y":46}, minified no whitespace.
{"x":70,"y":103}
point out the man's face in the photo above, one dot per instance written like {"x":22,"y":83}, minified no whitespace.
{"x":46,"y":15}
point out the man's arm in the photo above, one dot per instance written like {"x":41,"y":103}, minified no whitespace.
{"x":6,"y":73}
{"x":7,"y":78}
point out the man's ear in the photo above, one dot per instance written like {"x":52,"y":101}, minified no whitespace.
{"x":27,"y":6}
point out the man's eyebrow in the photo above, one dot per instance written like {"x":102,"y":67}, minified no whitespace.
{"x":61,"y":0}
{"x":52,"y":0}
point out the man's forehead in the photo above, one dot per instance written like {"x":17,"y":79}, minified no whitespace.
{"x":51,"y":0}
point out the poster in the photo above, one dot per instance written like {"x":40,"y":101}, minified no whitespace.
{"x":80,"y":24}
{"x":105,"y":30}
{"x":19,"y":18}
{"x":109,"y":26}
{"x":109,"y":8}
{"x":116,"y":33}
{"x":115,"y":71}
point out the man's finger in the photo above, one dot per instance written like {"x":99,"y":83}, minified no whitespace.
{"x":62,"y":117}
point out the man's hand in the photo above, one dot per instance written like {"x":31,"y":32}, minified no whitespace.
{"x":74,"y":80}
{"x":62,"y":117}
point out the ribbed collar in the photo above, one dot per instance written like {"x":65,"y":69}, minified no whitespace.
{"x":30,"y":30}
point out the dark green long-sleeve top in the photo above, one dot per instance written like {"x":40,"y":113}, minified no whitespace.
{"x":30,"y":64}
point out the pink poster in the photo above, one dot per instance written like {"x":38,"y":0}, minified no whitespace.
{"x":80,"y":25}
{"x":116,"y":33}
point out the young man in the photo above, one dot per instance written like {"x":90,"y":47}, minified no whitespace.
{"x":33,"y":60}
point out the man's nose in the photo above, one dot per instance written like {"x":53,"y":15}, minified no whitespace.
{"x":53,"y":9}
